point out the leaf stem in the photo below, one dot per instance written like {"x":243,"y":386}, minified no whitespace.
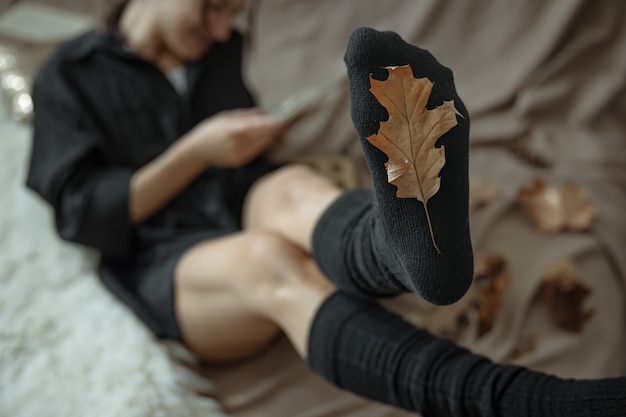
{"x":430,"y":228}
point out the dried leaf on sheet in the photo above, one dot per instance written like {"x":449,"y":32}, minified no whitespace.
{"x":488,"y":265}
{"x":553,"y":209}
{"x":565,"y":295}
{"x":579,"y":211}
{"x":542,"y":205}
{"x":481,"y":303}
{"x":408,"y":137}
{"x":490,"y":302}
{"x":449,"y":321}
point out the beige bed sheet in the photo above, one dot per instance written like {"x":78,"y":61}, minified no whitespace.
{"x":550,"y":76}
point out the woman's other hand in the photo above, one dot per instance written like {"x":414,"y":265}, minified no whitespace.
{"x":233,"y":138}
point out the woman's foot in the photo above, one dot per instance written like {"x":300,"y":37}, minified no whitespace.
{"x":427,"y":246}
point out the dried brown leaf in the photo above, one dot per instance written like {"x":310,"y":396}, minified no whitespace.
{"x":450,"y":320}
{"x":553,"y":209}
{"x":542,"y":204}
{"x":565,"y":295}
{"x":579,"y":212}
{"x":483,"y":299}
{"x":408,"y":137}
{"x":488,"y":265}
{"x":490,"y":301}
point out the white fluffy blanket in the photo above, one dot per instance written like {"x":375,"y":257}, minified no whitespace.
{"x":67,"y":347}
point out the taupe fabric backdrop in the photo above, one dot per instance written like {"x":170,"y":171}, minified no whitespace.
{"x":548,"y":75}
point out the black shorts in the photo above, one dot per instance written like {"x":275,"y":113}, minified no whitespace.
{"x":146,"y":284}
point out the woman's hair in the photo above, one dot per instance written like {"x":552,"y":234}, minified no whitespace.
{"x":113,"y":16}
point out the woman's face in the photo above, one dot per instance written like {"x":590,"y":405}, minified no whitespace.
{"x":189,"y":28}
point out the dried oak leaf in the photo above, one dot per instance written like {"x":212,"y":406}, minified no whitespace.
{"x":553,"y":209}
{"x":450,"y":320}
{"x":488,"y":265}
{"x":542,"y":204}
{"x":490,"y":301}
{"x":565,"y":295}
{"x":483,"y":299}
{"x":408,"y":137}
{"x":579,"y":211}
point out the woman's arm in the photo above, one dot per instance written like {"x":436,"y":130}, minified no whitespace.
{"x":89,"y":197}
{"x":229,"y":139}
{"x":156,"y":183}
{"x":92,"y":198}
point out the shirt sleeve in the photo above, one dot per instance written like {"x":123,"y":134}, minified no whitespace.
{"x":67,"y":168}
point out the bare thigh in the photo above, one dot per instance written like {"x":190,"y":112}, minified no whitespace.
{"x":226,"y":289}
{"x":216,"y":322}
{"x":230,"y":293}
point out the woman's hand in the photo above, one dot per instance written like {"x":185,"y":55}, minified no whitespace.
{"x":233,"y":138}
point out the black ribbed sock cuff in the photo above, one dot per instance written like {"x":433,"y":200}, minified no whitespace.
{"x":326,"y":329}
{"x":534,"y":394}
{"x":358,"y":345}
{"x":344,"y":248}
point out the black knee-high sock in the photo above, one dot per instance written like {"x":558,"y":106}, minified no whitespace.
{"x":386,"y":240}
{"x":361,"y":347}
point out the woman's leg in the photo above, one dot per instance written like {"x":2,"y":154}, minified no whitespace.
{"x":233,"y":293}
{"x":357,"y":345}
{"x":290,"y":202}
{"x":361,"y":347}
{"x":372,"y":242}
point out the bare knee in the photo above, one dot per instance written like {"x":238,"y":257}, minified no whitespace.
{"x":219,"y":264}
{"x":278,"y":190}
{"x":224,"y":291}
{"x":289,"y":202}
{"x":274,"y":254}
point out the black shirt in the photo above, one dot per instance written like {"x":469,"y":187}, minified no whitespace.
{"x":100,"y":114}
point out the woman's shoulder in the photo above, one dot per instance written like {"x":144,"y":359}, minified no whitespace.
{"x":53,"y":70}
{"x":75,"y":50}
